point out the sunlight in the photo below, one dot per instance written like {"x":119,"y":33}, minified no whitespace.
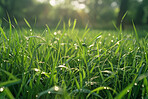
{"x":140,"y":0}
{"x":114,"y":4}
{"x":56,"y":2}
{"x":41,"y":1}
{"x":77,"y":5}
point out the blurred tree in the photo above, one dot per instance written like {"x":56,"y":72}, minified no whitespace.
{"x":123,"y":9}
{"x":14,"y":8}
{"x":141,"y":14}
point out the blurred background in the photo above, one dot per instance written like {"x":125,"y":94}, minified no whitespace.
{"x":94,"y":13}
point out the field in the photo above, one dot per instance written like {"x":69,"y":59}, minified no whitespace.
{"x":71,"y":63}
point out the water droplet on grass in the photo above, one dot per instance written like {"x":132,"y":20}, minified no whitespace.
{"x":36,"y":96}
{"x":1,"y":89}
{"x":99,"y":37}
{"x":36,"y":69}
{"x":135,"y":84}
{"x":49,"y":92}
{"x":56,"y":88}
{"x":55,"y":33}
{"x":105,"y":87}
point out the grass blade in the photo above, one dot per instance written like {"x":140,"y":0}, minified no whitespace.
{"x":2,"y":31}
{"x":27,"y":23}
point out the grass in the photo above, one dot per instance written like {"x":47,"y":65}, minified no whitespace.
{"x":72,"y":63}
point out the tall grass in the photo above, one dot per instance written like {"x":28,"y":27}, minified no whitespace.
{"x":72,"y":63}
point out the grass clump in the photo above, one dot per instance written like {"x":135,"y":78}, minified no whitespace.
{"x":71,"y":63}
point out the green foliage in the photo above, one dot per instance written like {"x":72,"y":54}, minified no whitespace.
{"x":72,"y":63}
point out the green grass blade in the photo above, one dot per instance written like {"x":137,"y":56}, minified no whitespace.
{"x":9,"y":74}
{"x":99,"y":89}
{"x":8,"y":93}
{"x":9,"y":83}
{"x":124,"y":16}
{"x":49,"y":30}
{"x":85,"y":33}
{"x":137,"y":38}
{"x":27,"y":23}
{"x":2,"y":31}
{"x":125,"y":90}
{"x":77,"y":84}
{"x":74,"y":25}
{"x":57,"y":25}
{"x":15,"y":21}
{"x":55,"y":90}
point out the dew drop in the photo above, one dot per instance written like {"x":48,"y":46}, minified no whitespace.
{"x":49,"y":92}
{"x":36,"y":96}
{"x":135,"y":84}
{"x":105,"y":87}
{"x":1,"y":89}
{"x":36,"y":69}
{"x":56,"y":88}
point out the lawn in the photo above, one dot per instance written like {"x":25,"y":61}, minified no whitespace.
{"x":71,"y":63}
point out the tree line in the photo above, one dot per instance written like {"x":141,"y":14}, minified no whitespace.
{"x":96,"y":13}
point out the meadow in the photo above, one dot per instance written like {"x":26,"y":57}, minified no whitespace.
{"x":72,"y":63}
